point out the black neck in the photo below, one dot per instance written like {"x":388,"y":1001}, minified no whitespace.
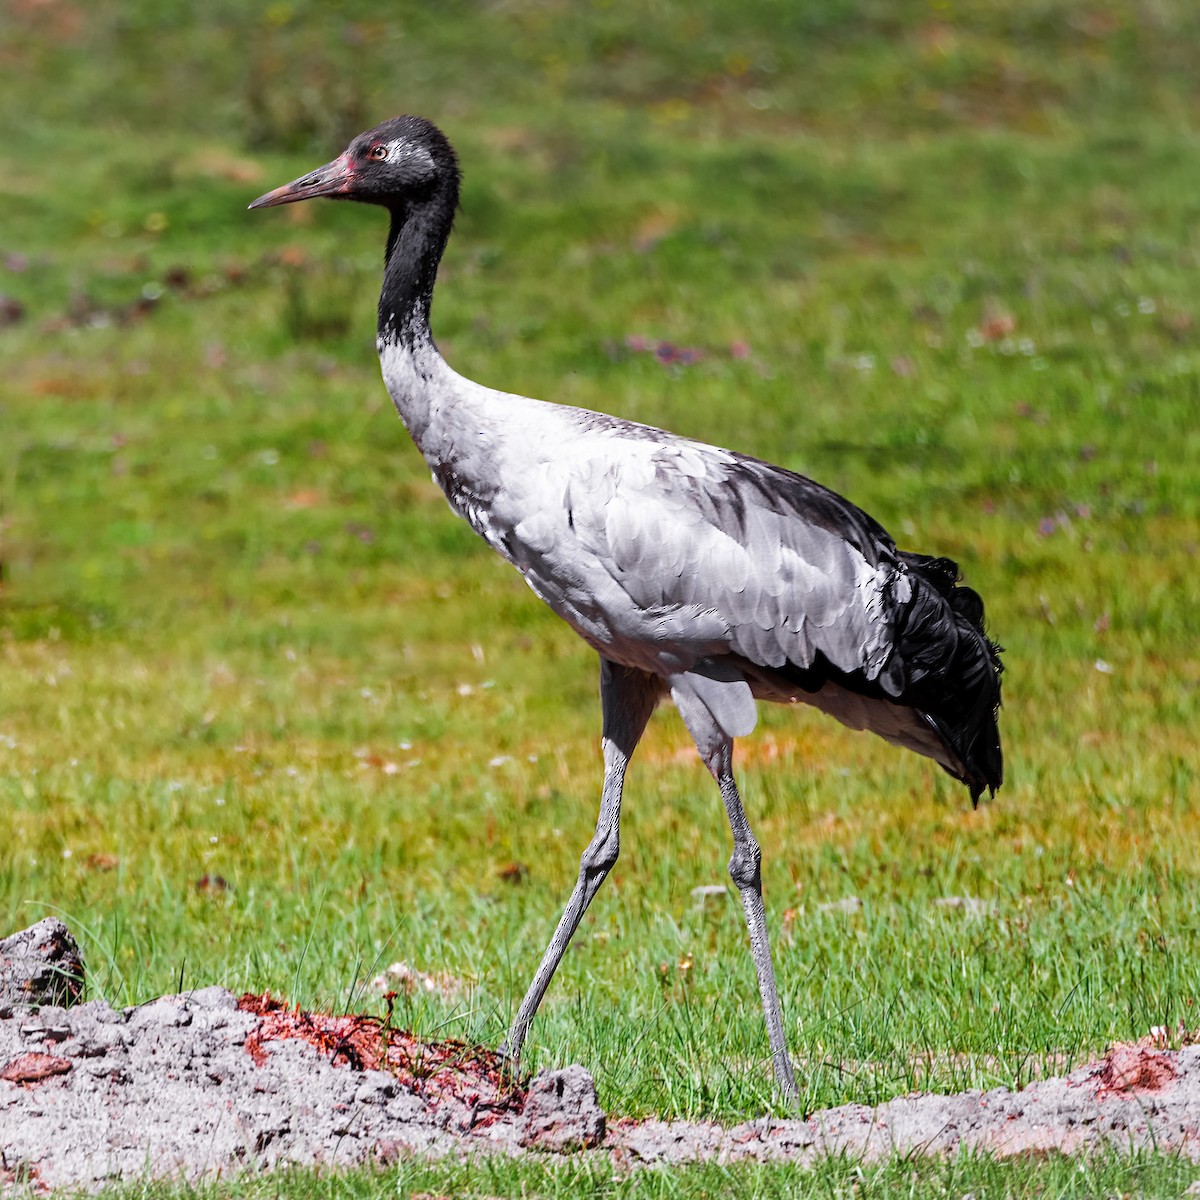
{"x":416,"y":240}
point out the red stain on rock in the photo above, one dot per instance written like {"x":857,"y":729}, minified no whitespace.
{"x":433,"y":1070}
{"x":33,"y":1067}
{"x":1133,"y":1069}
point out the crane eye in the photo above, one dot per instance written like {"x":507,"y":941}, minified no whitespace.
{"x":378,"y":151}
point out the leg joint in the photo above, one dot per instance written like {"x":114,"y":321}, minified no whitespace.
{"x":601,"y":854}
{"x":745,"y":864}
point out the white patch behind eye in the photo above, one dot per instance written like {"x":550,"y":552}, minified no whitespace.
{"x":420,"y":158}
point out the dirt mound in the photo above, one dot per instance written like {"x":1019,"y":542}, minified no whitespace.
{"x":201,"y":1083}
{"x":1133,"y":1098}
{"x":205,"y":1083}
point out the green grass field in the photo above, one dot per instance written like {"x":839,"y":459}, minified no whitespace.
{"x":271,"y":717}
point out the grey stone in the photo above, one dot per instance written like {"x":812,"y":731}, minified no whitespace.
{"x":562,"y":1112}
{"x":40,"y":965}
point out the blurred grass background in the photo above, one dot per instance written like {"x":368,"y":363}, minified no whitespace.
{"x":271,"y":717}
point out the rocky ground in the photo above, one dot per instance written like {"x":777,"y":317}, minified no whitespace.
{"x":208,"y":1082}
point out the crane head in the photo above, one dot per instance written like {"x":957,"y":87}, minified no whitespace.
{"x":399,"y":161}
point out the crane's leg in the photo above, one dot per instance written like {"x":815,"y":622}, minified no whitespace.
{"x":716,"y":749}
{"x":628,"y":697}
{"x":744,"y":870}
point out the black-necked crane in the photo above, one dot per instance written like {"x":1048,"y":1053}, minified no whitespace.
{"x":695,"y":572}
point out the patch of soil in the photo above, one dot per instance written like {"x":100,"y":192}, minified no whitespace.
{"x":204,"y":1083}
{"x":33,"y":1067}
{"x":1134,"y":1069}
{"x":471,"y":1076}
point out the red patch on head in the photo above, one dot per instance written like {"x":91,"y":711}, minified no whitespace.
{"x":349,"y":169}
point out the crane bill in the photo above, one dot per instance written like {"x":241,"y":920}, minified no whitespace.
{"x":714,"y":694}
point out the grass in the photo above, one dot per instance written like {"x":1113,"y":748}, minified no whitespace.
{"x":271,"y":717}
{"x":1050,"y":1178}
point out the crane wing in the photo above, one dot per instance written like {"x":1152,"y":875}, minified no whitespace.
{"x":791,"y":570}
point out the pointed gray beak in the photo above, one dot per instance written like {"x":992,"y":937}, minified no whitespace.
{"x":333,"y":179}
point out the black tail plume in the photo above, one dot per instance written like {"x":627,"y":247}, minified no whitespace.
{"x":959,"y":691}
